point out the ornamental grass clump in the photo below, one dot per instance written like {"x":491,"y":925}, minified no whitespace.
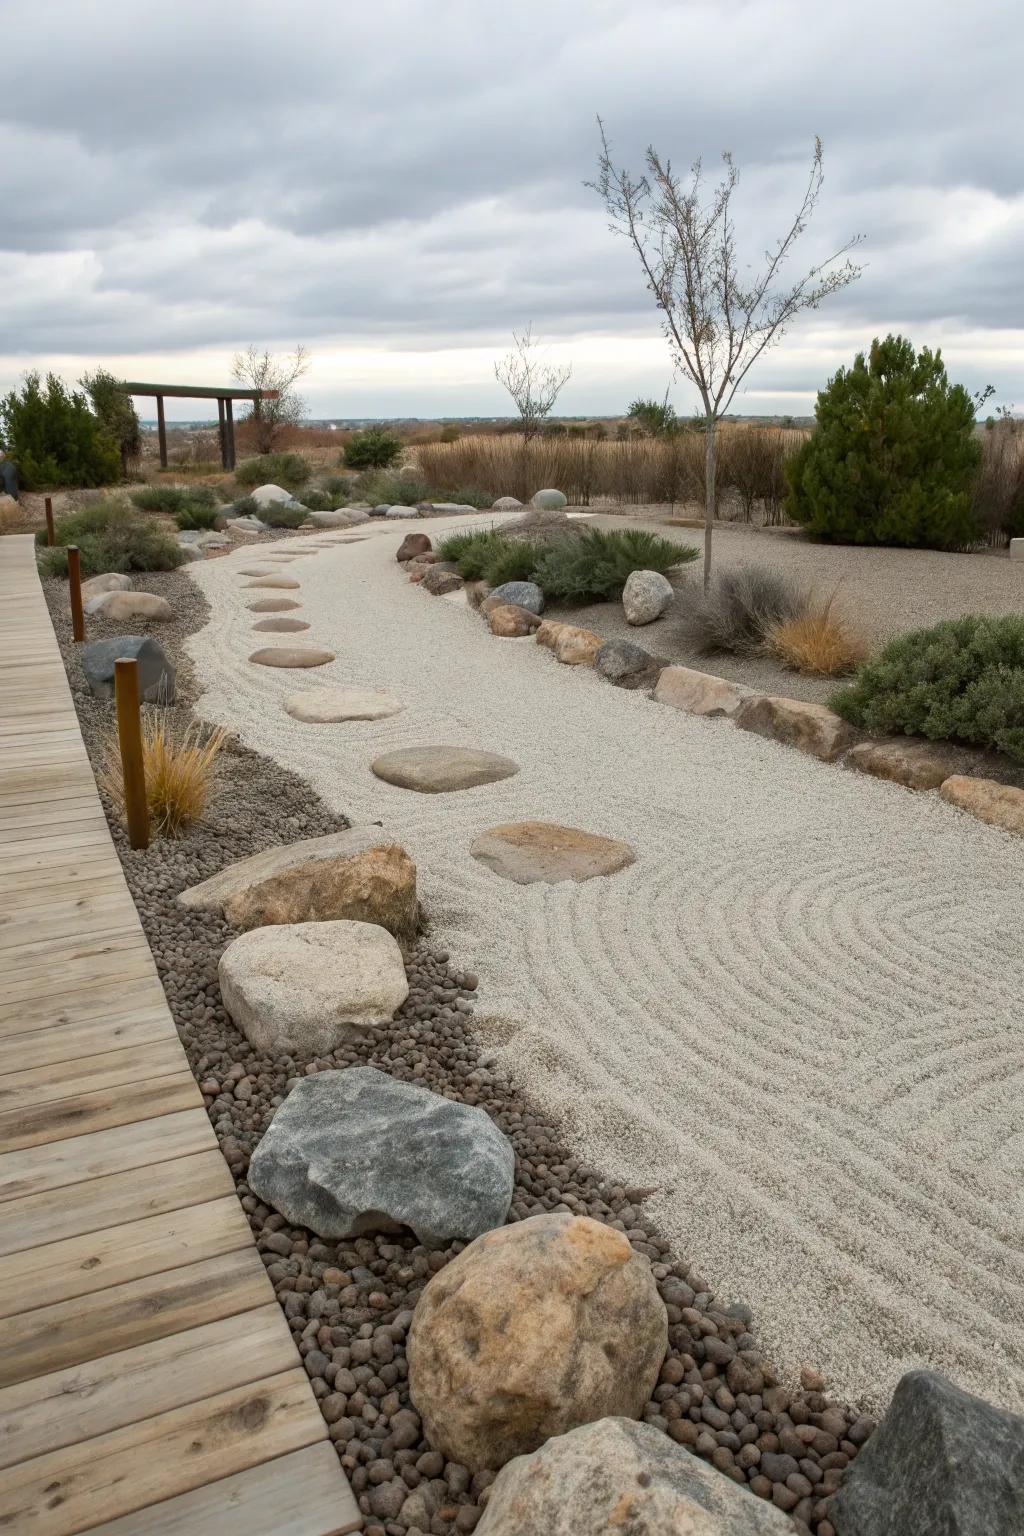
{"x":179,"y":767}
{"x":111,"y":536}
{"x":818,"y":643}
{"x":745,"y":605}
{"x":596,"y":565}
{"x":962,"y":680}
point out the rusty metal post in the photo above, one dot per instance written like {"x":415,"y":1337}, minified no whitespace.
{"x":75,"y":592}
{"x":50,"y":536}
{"x":222,"y":434}
{"x":129,"y":736}
{"x":161,"y":430}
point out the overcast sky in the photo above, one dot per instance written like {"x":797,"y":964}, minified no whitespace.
{"x":399,"y":184}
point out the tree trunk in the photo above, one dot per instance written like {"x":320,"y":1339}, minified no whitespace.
{"x":709,"y":494}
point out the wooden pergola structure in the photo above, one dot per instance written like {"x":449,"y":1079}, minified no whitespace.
{"x":225,"y":416}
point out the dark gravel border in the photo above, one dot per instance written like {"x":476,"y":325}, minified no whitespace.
{"x":350,"y":1304}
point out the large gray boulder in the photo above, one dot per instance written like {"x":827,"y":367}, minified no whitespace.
{"x":549,"y":500}
{"x":941,"y":1463}
{"x":358,"y":1151}
{"x":267,"y":495}
{"x":398,"y":510}
{"x":645,"y":596}
{"x":156,"y":674}
{"x":621,"y":1478}
{"x":523,"y":594}
{"x":627,"y":665}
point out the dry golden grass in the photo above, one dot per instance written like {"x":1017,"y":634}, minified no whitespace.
{"x":819,"y":642}
{"x":180,"y":770}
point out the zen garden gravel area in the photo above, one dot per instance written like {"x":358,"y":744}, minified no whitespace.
{"x":781,"y":1043}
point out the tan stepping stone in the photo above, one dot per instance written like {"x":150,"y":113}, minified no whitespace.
{"x":325,"y":706}
{"x":438,"y":770}
{"x":532,"y":851}
{"x":291,"y":656}
{"x":273,"y":605}
{"x":255,"y":570}
{"x":284,"y":583}
{"x":281,"y":626}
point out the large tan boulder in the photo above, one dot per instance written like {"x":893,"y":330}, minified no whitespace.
{"x":1001,"y":805}
{"x":511,"y":621}
{"x":533,"y":1329}
{"x":620,"y":1478}
{"x":359,"y":875}
{"x":902,"y":760}
{"x":699,"y":693}
{"x":110,"y":581}
{"x":573,"y":646}
{"x":809,"y":727}
{"x":122,"y":606}
{"x":304,"y":988}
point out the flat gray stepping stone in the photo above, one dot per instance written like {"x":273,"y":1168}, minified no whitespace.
{"x":532,"y":851}
{"x":255,"y":570}
{"x":325,"y":706}
{"x":437,"y":770}
{"x":291,"y":656}
{"x":287,"y":583}
{"x":272,"y":605}
{"x":281,"y":626}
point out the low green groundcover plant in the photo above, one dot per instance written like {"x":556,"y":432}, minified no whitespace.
{"x":111,"y":536}
{"x":287,"y":469}
{"x":173,"y":498}
{"x":277,"y":515}
{"x":962,"y":680}
{"x":591,"y":566}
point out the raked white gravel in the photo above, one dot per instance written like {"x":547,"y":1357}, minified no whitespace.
{"x":798,"y":1014}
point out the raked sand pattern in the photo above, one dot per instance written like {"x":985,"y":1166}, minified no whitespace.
{"x":797,"y":1015}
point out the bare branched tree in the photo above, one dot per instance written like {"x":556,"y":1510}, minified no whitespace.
{"x":533,"y":384}
{"x":718,"y":321}
{"x":263,"y":370}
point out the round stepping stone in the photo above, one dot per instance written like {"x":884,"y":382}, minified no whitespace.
{"x":291,"y":656}
{"x":287,"y":583}
{"x":273,"y":605}
{"x":437,"y":770}
{"x":532,"y":851}
{"x":281,"y":626}
{"x":324,"y":706}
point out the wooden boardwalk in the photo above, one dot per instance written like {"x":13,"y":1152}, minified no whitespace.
{"x":148,"y":1379}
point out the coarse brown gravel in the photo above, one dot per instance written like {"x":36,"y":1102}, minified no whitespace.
{"x":349,"y":1304}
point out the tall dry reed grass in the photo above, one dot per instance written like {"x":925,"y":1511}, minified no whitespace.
{"x":751,"y":464}
{"x":179,"y":767}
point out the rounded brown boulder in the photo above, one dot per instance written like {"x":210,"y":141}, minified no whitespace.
{"x":511,"y":621}
{"x":413,"y":544}
{"x":533,"y":1329}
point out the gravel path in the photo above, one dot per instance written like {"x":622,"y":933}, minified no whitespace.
{"x":795,"y":1015}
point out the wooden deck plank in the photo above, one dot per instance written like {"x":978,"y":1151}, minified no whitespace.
{"x":297,"y":1495}
{"x":114,"y":1199}
{"x":72,"y":1333}
{"x":148,"y":1379}
{"x":69,"y":1406}
{"x":139,"y":1144}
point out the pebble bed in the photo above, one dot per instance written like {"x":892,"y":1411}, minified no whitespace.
{"x":350,"y":1304}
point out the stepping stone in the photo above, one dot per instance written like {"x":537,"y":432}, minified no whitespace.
{"x":324,"y":706}
{"x":438,"y":770}
{"x":291,"y":656}
{"x":255,"y":570}
{"x":532,"y":851}
{"x":273,"y":605}
{"x":286,"y":583}
{"x":281,"y":626}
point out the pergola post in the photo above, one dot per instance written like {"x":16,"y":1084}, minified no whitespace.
{"x":161,"y":428}
{"x":222,"y":431}
{"x":229,"y":435}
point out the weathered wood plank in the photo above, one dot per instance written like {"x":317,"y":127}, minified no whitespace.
{"x":296,"y":1495}
{"x":86,"y":1112}
{"x":78,"y":1266}
{"x":71,"y":1333}
{"x":73,"y":1042}
{"x":69,"y":1406}
{"x":139,"y":1144}
{"x":111,"y":1069}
